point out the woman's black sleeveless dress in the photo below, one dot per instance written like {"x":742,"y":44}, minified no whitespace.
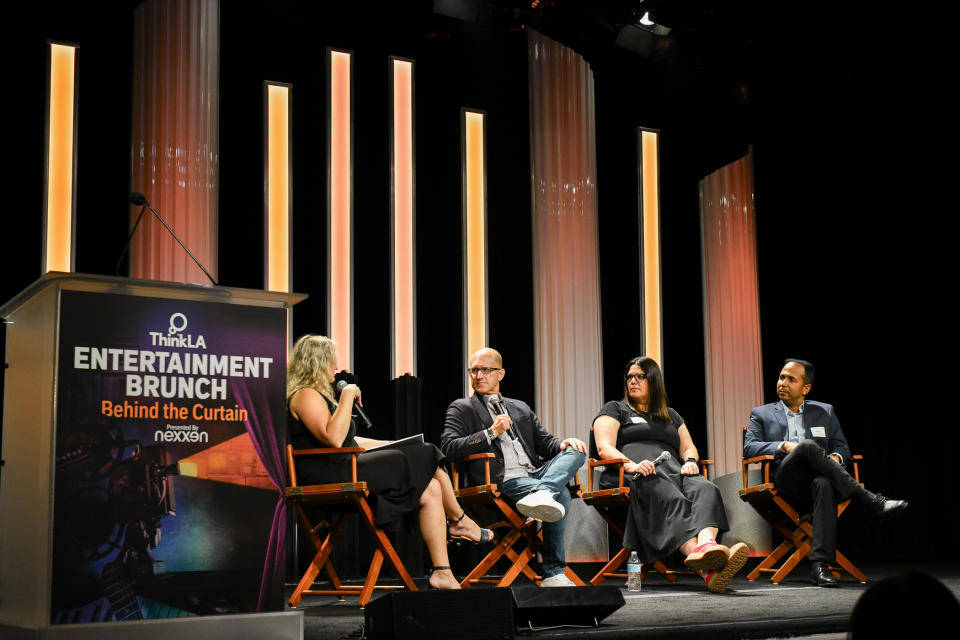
{"x":668,"y":508}
{"x":396,"y":478}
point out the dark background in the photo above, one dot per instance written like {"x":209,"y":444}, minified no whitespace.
{"x":845,"y":105}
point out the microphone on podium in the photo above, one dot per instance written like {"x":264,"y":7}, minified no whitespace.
{"x":140,"y":200}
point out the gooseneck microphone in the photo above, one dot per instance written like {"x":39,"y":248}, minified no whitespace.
{"x":656,"y":462}
{"x":501,"y":410}
{"x":140,"y":200}
{"x":341,"y":385}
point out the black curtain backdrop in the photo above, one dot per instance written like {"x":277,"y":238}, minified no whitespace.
{"x":855,"y":228}
{"x":457,"y":65}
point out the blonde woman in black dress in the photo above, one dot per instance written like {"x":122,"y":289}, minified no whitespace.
{"x":407,"y":486}
{"x":672,"y":506}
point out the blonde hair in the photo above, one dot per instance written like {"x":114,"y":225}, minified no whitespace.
{"x":308,"y":365}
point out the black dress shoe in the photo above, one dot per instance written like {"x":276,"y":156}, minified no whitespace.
{"x":886,"y":509}
{"x":821,"y":576}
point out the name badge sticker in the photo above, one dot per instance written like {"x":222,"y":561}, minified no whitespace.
{"x":638,"y":420}
{"x":818,"y":432}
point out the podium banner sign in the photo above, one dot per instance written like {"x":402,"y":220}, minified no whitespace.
{"x":162,"y":506}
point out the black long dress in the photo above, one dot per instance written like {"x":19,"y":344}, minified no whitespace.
{"x":396,"y":478}
{"x":666,"y":508}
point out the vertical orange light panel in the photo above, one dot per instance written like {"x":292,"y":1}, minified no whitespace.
{"x":278,"y":187}
{"x":60,"y":196}
{"x":403,"y":218}
{"x":649,"y":174}
{"x":474,"y":232}
{"x":340,"y":207}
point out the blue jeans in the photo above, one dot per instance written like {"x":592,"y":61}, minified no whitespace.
{"x":553,"y":477}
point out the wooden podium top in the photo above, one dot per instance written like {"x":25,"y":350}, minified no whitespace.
{"x":150,"y":288}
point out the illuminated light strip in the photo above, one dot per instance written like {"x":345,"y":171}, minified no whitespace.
{"x":649,"y":170}
{"x":278,"y":187}
{"x":474,"y":232}
{"x":403,"y":220}
{"x":60,"y":206}
{"x":340,"y":207}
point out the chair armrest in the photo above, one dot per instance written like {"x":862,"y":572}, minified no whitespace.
{"x":327,"y":451}
{"x":606,"y":461}
{"x":455,"y":467}
{"x":351,"y":451}
{"x":705,"y":466}
{"x":764,"y":461}
{"x":475,"y":456}
{"x":855,"y":463}
{"x":593,"y":463}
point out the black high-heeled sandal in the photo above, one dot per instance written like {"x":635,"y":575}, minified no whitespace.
{"x":486,"y":535}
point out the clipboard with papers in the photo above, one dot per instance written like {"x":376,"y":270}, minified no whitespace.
{"x":396,"y":444}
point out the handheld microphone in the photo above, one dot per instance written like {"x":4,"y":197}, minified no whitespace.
{"x":356,"y":407}
{"x":656,"y":462}
{"x":498,"y":408}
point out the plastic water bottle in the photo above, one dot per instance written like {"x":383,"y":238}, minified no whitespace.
{"x":634,"y":568}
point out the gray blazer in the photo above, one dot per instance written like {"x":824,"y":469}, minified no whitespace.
{"x":768,"y":428}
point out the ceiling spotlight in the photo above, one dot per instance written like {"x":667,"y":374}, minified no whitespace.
{"x":645,"y":23}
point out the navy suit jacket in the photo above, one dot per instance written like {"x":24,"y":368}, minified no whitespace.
{"x":468,"y":418}
{"x":768,"y":428}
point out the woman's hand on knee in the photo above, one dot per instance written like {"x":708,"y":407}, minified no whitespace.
{"x":690,"y":468}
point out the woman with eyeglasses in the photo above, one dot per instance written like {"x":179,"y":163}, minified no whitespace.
{"x":407,"y":486}
{"x":672,"y":507}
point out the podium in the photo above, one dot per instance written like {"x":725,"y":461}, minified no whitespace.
{"x":131,"y":491}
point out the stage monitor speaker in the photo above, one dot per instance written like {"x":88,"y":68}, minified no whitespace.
{"x":587,"y":606}
{"x":469,"y":614}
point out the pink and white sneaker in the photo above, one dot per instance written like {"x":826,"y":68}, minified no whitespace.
{"x":718,"y":580}
{"x":708,"y":555}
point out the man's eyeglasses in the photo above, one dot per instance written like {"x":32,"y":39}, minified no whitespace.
{"x":639,"y":377}
{"x":484,"y":371}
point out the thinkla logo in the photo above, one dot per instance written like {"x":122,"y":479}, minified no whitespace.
{"x":175,"y":336}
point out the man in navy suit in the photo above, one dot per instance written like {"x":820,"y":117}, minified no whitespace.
{"x":810,"y":453}
{"x":532,"y":466}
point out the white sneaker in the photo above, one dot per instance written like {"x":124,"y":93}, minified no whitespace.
{"x":542,"y":506}
{"x":559,"y":580}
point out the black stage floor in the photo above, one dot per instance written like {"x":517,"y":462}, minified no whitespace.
{"x":759,"y":609}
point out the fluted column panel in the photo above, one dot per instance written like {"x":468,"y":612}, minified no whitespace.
{"x":731,"y":308}
{"x":566,"y":272}
{"x":175,"y":136}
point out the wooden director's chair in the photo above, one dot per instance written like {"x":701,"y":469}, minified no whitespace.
{"x":795,"y":528}
{"x":611,"y":504}
{"x":515,"y":538}
{"x":345,"y":499}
